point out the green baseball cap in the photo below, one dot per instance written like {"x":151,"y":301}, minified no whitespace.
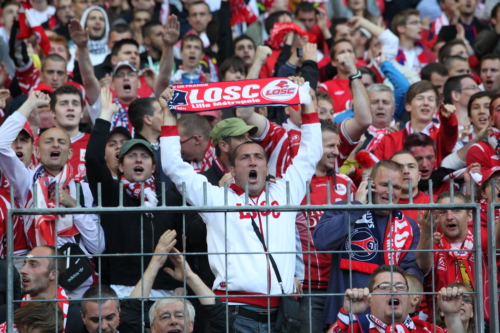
{"x":230,"y":127}
{"x":134,"y":142}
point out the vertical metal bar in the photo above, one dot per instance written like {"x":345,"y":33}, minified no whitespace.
{"x":410,"y":189}
{"x":99,"y":195}
{"x":478,"y":273}
{"x":492,"y":256}
{"x":10,"y":264}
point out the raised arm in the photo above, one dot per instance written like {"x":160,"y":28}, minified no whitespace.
{"x":97,"y":169}
{"x":173,"y":165}
{"x":425,"y":259}
{"x":261,"y":55}
{"x":80,"y":37}
{"x":357,"y":126}
{"x":170,"y":37}
{"x":13,"y":169}
{"x":165,"y":245}
{"x":182,"y":271}
{"x":450,"y":302}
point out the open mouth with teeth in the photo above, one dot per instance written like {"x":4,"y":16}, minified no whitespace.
{"x":192,"y":58}
{"x":451,"y":226}
{"x":25,"y":280}
{"x":127,"y":88}
{"x":138,"y":169}
{"x":394,"y":302}
{"x":483,"y":120}
{"x":174,"y":331}
{"x":380,"y":114}
{"x":488,"y":83}
{"x":20,"y":154}
{"x":117,"y":156}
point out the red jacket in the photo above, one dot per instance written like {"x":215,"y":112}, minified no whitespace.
{"x":445,"y":136}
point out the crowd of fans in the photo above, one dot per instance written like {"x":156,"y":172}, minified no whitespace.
{"x":404,"y":108}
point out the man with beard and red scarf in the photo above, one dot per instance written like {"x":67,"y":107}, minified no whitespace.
{"x":368,"y":231}
{"x":54,"y":152}
{"x":457,"y":235}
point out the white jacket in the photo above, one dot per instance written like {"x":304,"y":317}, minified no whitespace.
{"x":248,"y":273}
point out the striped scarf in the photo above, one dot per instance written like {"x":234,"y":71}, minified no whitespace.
{"x":208,"y":158}
{"x":134,"y":190}
{"x":121,"y":117}
{"x":63,"y":302}
{"x":41,"y":229}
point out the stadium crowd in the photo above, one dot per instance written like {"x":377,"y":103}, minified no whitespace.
{"x":399,"y":103}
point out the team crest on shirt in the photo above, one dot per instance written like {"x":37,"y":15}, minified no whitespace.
{"x":361,"y":239}
{"x":441,"y":264}
{"x":341,"y":189}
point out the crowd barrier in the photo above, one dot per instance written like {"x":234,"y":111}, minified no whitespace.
{"x":223,"y":210}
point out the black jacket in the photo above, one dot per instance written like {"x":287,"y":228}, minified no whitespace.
{"x":123,"y":231}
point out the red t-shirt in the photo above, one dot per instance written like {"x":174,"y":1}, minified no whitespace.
{"x":340,"y":92}
{"x":420,"y":198}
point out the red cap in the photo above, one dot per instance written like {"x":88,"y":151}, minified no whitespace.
{"x":28,"y":130}
{"x":44,"y":88}
{"x":487,"y":175}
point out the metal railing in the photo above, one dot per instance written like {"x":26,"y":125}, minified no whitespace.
{"x":225,"y":209}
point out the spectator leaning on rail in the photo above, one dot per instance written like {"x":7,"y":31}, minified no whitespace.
{"x":54,"y":151}
{"x":248,"y":164}
{"x":370,"y":231}
{"x":123,"y":231}
{"x":390,"y":313}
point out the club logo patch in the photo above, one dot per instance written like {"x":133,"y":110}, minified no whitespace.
{"x":362,"y":240}
{"x":279,"y":90}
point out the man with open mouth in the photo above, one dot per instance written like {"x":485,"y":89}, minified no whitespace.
{"x":249,"y":169}
{"x":455,"y":234}
{"x":389,"y":306}
{"x":54,"y":152}
{"x":136,"y":168}
{"x":367,"y":231}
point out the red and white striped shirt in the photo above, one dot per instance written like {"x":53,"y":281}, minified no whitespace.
{"x":21,"y":246}
{"x":281,"y":145}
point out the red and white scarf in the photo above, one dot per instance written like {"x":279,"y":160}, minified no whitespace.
{"x":464,"y":259}
{"x":378,"y":134}
{"x":402,"y":237}
{"x":63,"y":302}
{"x":484,"y":211}
{"x":121,"y":117}
{"x":382,"y":327}
{"x":208,"y":158}
{"x":3,"y":328}
{"x":134,"y":190}
{"x":41,"y":229}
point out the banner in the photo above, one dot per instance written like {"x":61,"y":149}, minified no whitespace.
{"x":232,"y":94}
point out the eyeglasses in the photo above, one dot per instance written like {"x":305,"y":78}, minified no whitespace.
{"x":471,"y":87}
{"x":388,"y":287}
{"x":191,"y":137}
{"x":122,"y":75}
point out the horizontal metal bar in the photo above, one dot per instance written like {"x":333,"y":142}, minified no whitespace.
{"x":226,"y":209}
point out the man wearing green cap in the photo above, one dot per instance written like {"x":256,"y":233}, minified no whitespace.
{"x":124,"y":232}
{"x":226,"y":135}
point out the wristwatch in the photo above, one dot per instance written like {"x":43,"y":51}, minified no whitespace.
{"x":355,"y":76}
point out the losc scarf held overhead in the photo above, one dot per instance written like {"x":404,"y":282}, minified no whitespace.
{"x":200,"y":97}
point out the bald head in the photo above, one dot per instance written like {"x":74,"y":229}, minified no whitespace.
{"x":51,"y":132}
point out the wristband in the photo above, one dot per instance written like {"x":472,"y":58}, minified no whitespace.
{"x":355,"y":76}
